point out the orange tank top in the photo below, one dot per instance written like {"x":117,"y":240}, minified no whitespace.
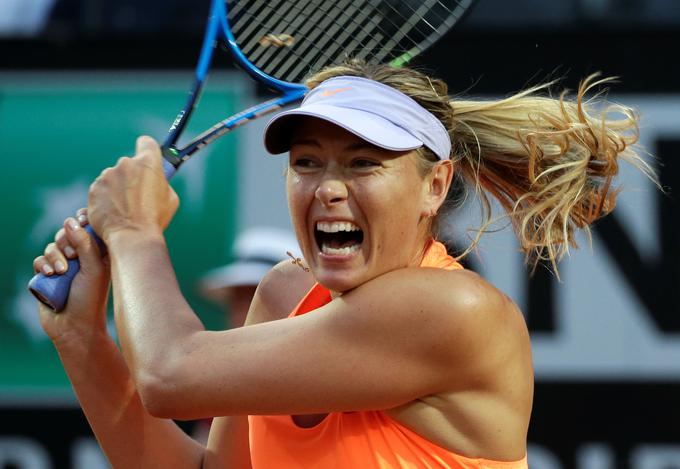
{"x":355,"y":440}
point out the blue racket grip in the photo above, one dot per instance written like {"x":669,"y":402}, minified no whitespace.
{"x":53,"y":290}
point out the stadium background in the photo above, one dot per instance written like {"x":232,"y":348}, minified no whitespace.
{"x":80,"y":79}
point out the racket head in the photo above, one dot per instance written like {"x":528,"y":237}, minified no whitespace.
{"x":280,"y":42}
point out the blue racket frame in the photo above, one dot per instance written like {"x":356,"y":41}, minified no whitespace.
{"x":53,"y":290}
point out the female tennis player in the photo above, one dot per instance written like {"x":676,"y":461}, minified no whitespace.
{"x":397,"y":357}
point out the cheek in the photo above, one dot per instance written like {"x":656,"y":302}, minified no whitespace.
{"x":400,"y":209}
{"x":299,"y":199}
{"x":293,"y":192}
{"x":389,"y":208}
{"x":395,"y":199}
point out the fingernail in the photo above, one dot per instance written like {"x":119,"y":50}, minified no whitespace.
{"x":69,"y":251}
{"x":59,"y":266}
{"x":74,"y":225}
{"x":47,"y":270}
{"x":82,"y":219}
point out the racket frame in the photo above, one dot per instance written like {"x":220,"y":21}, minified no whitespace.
{"x":218,"y":32}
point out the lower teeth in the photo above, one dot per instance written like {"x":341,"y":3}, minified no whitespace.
{"x":326,"y":249}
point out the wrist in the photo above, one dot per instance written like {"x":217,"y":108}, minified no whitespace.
{"x":126,"y":237}
{"x":78,"y":340}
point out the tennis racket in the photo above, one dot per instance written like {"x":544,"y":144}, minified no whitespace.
{"x":278,"y":43}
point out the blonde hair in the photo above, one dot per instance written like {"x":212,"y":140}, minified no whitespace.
{"x":548,"y":161}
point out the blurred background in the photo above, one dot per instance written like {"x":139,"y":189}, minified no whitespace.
{"x":80,"y":79}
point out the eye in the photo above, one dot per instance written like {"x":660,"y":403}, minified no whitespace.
{"x":364,"y":163}
{"x":303,"y":162}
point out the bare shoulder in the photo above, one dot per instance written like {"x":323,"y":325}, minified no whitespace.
{"x":458,"y":311}
{"x":470,"y":294}
{"x":448,"y":292}
{"x":470,"y":301}
{"x":483,"y":308}
{"x":279,"y":292}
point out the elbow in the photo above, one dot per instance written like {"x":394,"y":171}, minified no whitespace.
{"x":164,"y":394}
{"x":167,"y":385}
{"x":157,"y":393}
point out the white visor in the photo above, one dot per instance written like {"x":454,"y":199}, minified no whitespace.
{"x":377,"y":113}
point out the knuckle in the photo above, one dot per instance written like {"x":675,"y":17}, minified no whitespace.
{"x":123,"y":162}
{"x":50,"y":249}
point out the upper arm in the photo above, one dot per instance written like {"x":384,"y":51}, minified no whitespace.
{"x":401,"y":336}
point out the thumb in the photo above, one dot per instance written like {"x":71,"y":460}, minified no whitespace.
{"x":148,"y":151}
{"x":146,"y":144}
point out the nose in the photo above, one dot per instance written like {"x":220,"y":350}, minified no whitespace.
{"x":331,"y":192}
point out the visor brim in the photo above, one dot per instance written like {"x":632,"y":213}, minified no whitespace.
{"x":365,"y":125}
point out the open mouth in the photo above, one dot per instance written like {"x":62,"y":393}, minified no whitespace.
{"x":338,"y":238}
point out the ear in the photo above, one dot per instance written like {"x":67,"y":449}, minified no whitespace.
{"x":439,"y":182}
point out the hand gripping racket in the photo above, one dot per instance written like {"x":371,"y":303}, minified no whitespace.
{"x":278,"y":43}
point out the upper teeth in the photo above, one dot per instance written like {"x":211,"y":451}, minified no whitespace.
{"x":335,"y":226}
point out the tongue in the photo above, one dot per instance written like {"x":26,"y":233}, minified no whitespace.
{"x":339,"y":244}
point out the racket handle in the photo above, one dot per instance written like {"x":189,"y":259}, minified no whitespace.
{"x":53,"y":290}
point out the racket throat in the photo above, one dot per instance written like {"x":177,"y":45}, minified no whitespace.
{"x":172,"y":156}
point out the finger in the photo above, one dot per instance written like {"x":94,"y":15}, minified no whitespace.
{"x":40,"y":264}
{"x":62,"y":243}
{"x":85,"y":246}
{"x":81,"y":216}
{"x":56,"y":258}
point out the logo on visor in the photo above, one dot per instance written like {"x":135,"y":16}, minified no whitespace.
{"x":328,"y":93}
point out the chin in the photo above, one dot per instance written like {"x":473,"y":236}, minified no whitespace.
{"x":337,"y":281}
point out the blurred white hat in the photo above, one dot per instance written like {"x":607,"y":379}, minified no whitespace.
{"x":255,"y":251}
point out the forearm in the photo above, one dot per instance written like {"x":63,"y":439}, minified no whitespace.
{"x":128,"y":434}
{"x":153,"y":319}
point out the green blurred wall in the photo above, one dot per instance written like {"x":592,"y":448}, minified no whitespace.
{"x":57,"y":132}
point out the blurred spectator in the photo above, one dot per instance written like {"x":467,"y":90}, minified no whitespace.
{"x":255,"y":252}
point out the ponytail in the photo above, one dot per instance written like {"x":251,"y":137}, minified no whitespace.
{"x":549,"y":162}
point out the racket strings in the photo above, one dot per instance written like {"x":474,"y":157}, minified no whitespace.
{"x":314,"y":30}
{"x":314,"y":34}
{"x":446,"y":17}
{"x":417,"y":17}
{"x":287,"y":39}
{"x":259,"y":22}
{"x":304,"y":12}
{"x":339,"y":31}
